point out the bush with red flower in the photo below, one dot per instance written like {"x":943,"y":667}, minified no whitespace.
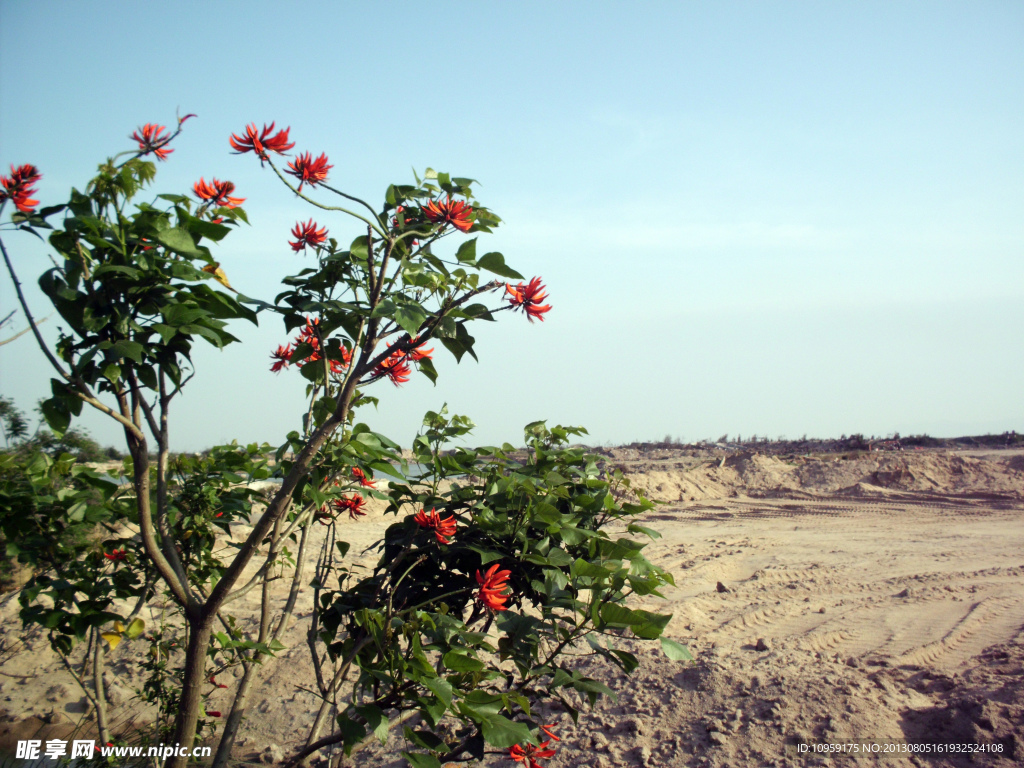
{"x":465,"y":619}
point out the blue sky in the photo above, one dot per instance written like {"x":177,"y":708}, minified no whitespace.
{"x":772,"y":218}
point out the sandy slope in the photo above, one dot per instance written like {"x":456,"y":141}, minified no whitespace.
{"x":887,"y":593}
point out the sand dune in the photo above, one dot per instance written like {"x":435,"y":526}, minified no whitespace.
{"x":854,"y":598}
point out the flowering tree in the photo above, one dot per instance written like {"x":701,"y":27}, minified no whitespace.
{"x":498,"y":561}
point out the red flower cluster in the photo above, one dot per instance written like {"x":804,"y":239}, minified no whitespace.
{"x":395,"y":368}
{"x":309,"y":171}
{"x":20,"y":186}
{"x":116,"y":555}
{"x":443,"y":528}
{"x":528,"y":754}
{"x":308,"y":335}
{"x":261,"y":142}
{"x":418,"y":354}
{"x":152,"y":140}
{"x":282,"y":357}
{"x":364,"y":481}
{"x":492,"y":588}
{"x":449,"y":211}
{"x":528,"y":297}
{"x":307,"y":234}
{"x":352,"y":504}
{"x":218,"y":193}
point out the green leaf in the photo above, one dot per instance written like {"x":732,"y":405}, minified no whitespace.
{"x":377,"y":721}
{"x":467,"y":252}
{"x":180,"y":241}
{"x":455,"y":347}
{"x":130,"y":349}
{"x":498,"y":731}
{"x":410,"y":317}
{"x":589,"y":570}
{"x":594,"y":686}
{"x":421,"y":760}
{"x":427,"y":369}
{"x":460,"y":662}
{"x":675,"y":651}
{"x":629,"y":661}
{"x":426,"y":739}
{"x":495,"y":262}
{"x":652,"y":626}
{"x":352,"y":732}
{"x":57,"y":415}
{"x":634,"y":528}
{"x":136,"y":628}
{"x":440,"y":688}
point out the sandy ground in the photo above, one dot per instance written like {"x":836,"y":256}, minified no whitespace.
{"x":828,"y":599}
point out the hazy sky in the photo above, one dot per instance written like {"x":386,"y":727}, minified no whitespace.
{"x":773,"y":218}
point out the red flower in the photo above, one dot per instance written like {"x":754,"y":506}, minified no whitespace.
{"x":19,"y":187}
{"x":262,"y":143}
{"x":323,"y":516}
{"x":492,"y":588}
{"x":310,"y":334}
{"x":352,"y":504}
{"x":443,"y":528}
{"x":528,"y":297}
{"x":548,"y":731}
{"x":395,"y":368}
{"x":213,"y":680}
{"x":217,"y":192}
{"x":213,"y":713}
{"x":309,"y":171}
{"x":338,"y":366}
{"x":151,"y":140}
{"x":364,"y":481}
{"x":307,"y":234}
{"x":448,"y":211}
{"x":116,"y":555}
{"x":283,"y":356}
{"x":416,"y":354}
{"x":529,"y":754}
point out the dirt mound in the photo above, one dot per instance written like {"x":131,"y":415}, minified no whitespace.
{"x":767,"y":476}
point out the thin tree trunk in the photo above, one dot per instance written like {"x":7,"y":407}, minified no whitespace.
{"x":191,"y":692}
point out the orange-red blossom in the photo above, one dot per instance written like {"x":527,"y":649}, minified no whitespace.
{"x":217,"y":192}
{"x":282,"y":356}
{"x":454,"y":212}
{"x":309,"y":171}
{"x":151,"y":139}
{"x":443,"y":528}
{"x":395,"y":368}
{"x":307,"y":234}
{"x":364,"y":481}
{"x":492,"y":588}
{"x":528,"y":754}
{"x":20,"y":186}
{"x":528,"y":297}
{"x":261,"y":142}
{"x":352,"y":504}
{"x":308,"y":335}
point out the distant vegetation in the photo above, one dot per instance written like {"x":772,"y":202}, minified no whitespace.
{"x":855,"y":442}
